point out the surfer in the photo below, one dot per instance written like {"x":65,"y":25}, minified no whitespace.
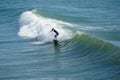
{"x":55,"y":32}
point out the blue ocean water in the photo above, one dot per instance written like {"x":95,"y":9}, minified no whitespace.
{"x":88,"y":47}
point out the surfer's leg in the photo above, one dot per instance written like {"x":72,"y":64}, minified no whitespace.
{"x":56,"y":36}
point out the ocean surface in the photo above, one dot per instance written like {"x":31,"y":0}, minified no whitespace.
{"x":88,"y":46}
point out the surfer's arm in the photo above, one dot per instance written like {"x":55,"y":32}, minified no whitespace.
{"x":51,"y":30}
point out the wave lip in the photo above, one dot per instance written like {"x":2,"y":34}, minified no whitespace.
{"x":36,"y":26}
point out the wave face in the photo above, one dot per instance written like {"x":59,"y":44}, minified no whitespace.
{"x":33,"y":25}
{"x":86,"y":42}
{"x":95,"y":58}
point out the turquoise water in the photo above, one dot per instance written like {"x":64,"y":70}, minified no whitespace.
{"x":89,"y":40}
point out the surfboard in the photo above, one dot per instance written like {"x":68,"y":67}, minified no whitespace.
{"x":55,"y":42}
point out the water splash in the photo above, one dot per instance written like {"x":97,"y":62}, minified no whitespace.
{"x":36,"y":26}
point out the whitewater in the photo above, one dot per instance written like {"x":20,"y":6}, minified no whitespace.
{"x":35,"y":26}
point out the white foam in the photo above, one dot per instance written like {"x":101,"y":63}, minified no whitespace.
{"x":116,"y":43}
{"x":92,"y":28}
{"x":34,"y":26}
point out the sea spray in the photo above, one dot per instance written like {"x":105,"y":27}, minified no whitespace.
{"x":36,"y":26}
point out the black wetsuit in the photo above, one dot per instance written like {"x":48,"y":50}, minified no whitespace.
{"x":56,"y":33}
